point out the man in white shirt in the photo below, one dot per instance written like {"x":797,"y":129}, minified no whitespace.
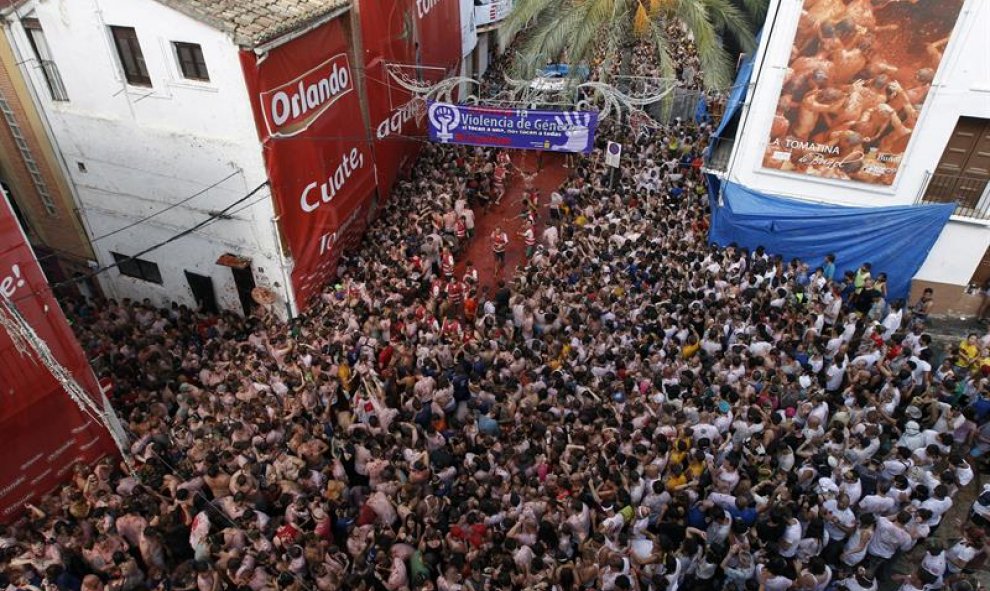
{"x":890,"y":536}
{"x":840,"y":520}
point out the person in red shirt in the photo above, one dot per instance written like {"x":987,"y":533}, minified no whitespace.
{"x":504,"y":159}
{"x":470,"y":274}
{"x":455,"y":296}
{"x":447,"y":264}
{"x":500,"y":240}
{"x":460,"y":229}
{"x":451,"y":329}
{"x":471,"y":307}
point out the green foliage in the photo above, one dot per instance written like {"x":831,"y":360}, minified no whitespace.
{"x":573,"y":30}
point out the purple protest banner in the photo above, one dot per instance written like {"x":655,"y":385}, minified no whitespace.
{"x":558,"y":131}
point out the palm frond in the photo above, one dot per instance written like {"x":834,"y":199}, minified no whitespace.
{"x":668,"y":69}
{"x":715,"y":64}
{"x":733,"y":21}
{"x":615,"y":34}
{"x":573,"y":29}
{"x":641,"y":22}
{"x":524,"y":12}
{"x":660,"y":43}
{"x":657,"y":6}
{"x":757,"y":10}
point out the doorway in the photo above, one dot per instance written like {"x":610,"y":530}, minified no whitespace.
{"x":964,"y":170}
{"x":202,"y":289}
{"x":244,"y":280}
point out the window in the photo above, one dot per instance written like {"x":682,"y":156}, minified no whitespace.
{"x":131,"y":59}
{"x":191,"y":61}
{"x":39,"y":45}
{"x":137,"y":268}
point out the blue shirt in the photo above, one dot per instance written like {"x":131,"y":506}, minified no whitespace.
{"x":982,"y":407}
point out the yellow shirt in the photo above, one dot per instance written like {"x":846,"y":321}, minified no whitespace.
{"x":675,"y":481}
{"x":969,"y":352}
{"x":689,"y":351}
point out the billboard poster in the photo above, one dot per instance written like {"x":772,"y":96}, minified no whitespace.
{"x":858,"y":77}
{"x":320,"y":164}
{"x":388,"y":31}
{"x":558,"y":131}
{"x":45,"y":433}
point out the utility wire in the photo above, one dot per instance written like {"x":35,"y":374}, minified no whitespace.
{"x":170,"y":207}
{"x":148,"y":217}
{"x":186,"y":232}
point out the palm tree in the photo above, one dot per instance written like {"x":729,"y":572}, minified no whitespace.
{"x":582,"y":30}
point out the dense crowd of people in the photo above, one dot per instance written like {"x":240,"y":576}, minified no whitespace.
{"x":630,"y":408}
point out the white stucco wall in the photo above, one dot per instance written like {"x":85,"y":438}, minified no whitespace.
{"x":961,"y":88}
{"x":145,"y":149}
{"x":956,"y":253}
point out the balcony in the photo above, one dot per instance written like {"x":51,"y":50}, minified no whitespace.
{"x":969,"y":193}
{"x":490,"y":12}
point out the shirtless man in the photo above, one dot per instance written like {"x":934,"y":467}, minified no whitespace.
{"x":935,"y":51}
{"x":901,"y":98}
{"x":895,"y":140}
{"x":849,"y":62}
{"x":860,"y":97}
{"x":815,"y":13}
{"x":813,"y":107}
{"x":874,"y":121}
{"x":808,"y":73}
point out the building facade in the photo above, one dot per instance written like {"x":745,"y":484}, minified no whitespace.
{"x":179,"y":135}
{"x":898,"y":116}
{"x":488,"y":18}
{"x":156,"y":128}
{"x":32,"y":176}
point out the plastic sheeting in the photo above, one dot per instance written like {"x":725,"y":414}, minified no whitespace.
{"x":737,"y":94}
{"x":894,"y":240}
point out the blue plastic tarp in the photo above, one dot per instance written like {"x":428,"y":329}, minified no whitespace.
{"x":894,"y":240}
{"x":701,"y":111}
{"x":737,"y":94}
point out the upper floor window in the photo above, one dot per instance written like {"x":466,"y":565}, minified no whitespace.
{"x":137,"y":268}
{"x":39,"y":45}
{"x":191,"y":61}
{"x":131,"y":59}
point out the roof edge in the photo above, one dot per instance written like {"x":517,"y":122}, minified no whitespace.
{"x":206,"y":19}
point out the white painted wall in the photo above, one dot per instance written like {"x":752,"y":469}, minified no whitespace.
{"x":145,"y":149}
{"x":961,"y":88}
{"x":956,"y":253}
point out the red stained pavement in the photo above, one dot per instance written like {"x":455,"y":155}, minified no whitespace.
{"x":508,"y":214}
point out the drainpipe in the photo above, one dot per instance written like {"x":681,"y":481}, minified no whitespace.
{"x":290,"y":302}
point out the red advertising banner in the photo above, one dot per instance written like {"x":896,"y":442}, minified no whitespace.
{"x":320,"y":163}
{"x":438,"y":28}
{"x":421,"y":39}
{"x":388,"y":33}
{"x":857,"y":79}
{"x":44,"y":433}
